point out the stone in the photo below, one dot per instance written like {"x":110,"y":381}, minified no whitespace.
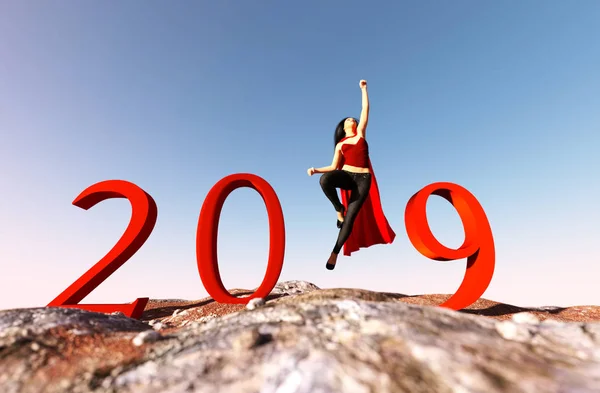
{"x":255,"y":303}
{"x":301,"y":339}
{"x":525,"y":317}
{"x":146,"y":337}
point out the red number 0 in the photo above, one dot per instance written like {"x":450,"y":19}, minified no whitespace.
{"x":478,"y":246}
{"x":206,"y":237}
{"x":143,"y":218}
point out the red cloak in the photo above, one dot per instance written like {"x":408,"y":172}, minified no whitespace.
{"x":371,"y":227}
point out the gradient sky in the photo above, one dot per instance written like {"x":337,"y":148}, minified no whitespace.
{"x":502,"y":98}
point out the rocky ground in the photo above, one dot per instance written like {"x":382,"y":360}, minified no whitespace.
{"x":303,"y":339}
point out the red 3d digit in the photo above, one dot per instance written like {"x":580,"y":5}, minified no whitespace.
{"x":478,"y":246}
{"x":206,"y":237}
{"x":143,"y":218}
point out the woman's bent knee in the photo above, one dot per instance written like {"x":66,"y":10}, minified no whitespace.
{"x":324,"y":180}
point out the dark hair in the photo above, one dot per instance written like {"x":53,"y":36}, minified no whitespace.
{"x":339,"y":133}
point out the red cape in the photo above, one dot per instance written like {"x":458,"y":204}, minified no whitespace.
{"x":371,"y":227}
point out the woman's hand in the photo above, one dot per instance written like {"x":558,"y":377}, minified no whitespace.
{"x":310,"y":171}
{"x":362,"y":84}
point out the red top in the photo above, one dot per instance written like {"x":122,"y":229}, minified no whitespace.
{"x":371,"y":226}
{"x":356,"y":154}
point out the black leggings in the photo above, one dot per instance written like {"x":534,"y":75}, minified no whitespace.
{"x":359,"y":185}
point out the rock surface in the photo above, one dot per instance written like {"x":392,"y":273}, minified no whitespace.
{"x":303,"y":339}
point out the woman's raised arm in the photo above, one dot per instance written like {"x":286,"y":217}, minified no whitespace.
{"x":361,"y":129}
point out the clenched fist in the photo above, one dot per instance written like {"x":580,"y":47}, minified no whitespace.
{"x":363,"y":84}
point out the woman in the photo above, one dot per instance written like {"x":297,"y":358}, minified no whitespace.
{"x":359,"y":215}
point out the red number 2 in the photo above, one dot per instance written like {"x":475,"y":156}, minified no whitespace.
{"x":143,"y":218}
{"x":206,"y":237}
{"x":478,"y":246}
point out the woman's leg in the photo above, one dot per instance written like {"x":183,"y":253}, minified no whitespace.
{"x":336,"y":179}
{"x":357,"y":197}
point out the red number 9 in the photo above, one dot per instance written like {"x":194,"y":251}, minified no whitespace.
{"x":478,"y":246}
{"x":206,"y":237}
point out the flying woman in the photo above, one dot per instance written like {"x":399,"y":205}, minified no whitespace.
{"x":360,"y":215}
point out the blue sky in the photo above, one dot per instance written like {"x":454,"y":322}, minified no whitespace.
{"x":499,"y":97}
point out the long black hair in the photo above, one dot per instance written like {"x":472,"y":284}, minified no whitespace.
{"x":339,"y":133}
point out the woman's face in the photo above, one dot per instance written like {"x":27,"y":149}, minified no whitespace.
{"x":350,"y":123}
